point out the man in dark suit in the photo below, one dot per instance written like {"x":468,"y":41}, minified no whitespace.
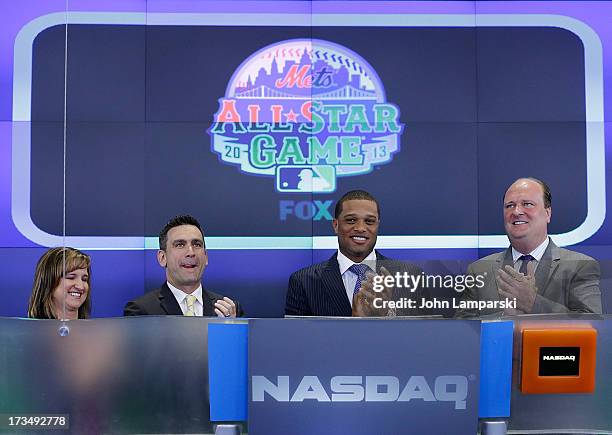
{"x":344,"y":284}
{"x":533,"y":275}
{"x":182,"y":252}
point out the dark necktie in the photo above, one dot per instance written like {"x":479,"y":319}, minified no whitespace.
{"x":359,"y":270}
{"x":525,"y":261}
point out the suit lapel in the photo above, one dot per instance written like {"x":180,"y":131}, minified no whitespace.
{"x":547,"y":266}
{"x":334,"y":286}
{"x":505,"y":259}
{"x":382,"y":261}
{"x":209,"y":304}
{"x":168,"y":302}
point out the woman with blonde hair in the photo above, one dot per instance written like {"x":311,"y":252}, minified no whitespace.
{"x":61,"y":287}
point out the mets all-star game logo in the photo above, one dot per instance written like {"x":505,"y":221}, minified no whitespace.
{"x":305,"y":111}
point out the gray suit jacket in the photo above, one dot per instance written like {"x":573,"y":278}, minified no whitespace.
{"x":567,"y":281}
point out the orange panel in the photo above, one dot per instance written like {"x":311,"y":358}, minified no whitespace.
{"x":558,"y":360}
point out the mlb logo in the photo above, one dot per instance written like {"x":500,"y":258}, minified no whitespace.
{"x":307,"y":179}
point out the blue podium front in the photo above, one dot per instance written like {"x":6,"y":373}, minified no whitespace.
{"x":363,"y":376}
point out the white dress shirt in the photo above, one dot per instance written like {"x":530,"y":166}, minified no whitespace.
{"x":181,"y":298}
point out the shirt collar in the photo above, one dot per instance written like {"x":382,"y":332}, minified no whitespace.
{"x":344,"y":262}
{"x":180,"y":295}
{"x":537,"y":253}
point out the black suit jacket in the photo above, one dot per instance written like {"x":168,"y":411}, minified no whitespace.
{"x":161,"y":301}
{"x":318,"y":290}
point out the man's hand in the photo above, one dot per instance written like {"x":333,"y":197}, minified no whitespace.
{"x":225,"y":308}
{"x":363,"y":300}
{"x":512,"y":284}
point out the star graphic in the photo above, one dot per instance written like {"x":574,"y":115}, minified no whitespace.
{"x":291,"y":116}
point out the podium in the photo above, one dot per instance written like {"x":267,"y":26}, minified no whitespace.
{"x":300,"y":376}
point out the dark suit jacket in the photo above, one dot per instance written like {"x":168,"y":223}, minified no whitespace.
{"x":161,"y":301}
{"x":567,"y":281}
{"x":318,"y":290}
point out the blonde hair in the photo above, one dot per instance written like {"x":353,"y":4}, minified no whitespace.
{"x":49,"y":271}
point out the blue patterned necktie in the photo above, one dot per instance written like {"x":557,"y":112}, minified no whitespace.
{"x":359,"y":270}
{"x":526,"y":259}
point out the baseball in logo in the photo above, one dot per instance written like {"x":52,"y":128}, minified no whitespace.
{"x":305,"y":111}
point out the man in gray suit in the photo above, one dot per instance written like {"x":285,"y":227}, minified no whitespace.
{"x":533,"y":275}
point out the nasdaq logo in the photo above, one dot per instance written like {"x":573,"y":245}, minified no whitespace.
{"x":559,"y":361}
{"x":452,"y":389}
{"x":305,"y":111}
{"x":559,"y":358}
